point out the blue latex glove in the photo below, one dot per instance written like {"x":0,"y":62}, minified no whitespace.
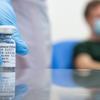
{"x":8,"y":17}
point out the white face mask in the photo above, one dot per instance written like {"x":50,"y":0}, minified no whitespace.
{"x":96,"y":27}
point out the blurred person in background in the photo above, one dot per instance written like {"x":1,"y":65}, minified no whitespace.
{"x":31,"y":70}
{"x":87,"y":54}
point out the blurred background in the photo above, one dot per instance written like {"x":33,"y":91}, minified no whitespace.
{"x":67,"y":20}
{"x":68,"y":26}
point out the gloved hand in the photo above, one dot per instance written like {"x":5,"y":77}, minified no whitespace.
{"x":8,"y":17}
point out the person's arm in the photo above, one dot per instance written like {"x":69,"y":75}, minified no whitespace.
{"x":85,"y":61}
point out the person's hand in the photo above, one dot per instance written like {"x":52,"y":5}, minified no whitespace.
{"x":8,"y":17}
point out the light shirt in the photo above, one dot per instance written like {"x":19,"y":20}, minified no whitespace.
{"x":32,"y":69}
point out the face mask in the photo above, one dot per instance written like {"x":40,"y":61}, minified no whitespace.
{"x":97,"y":27}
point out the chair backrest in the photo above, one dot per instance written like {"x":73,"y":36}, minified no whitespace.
{"x":63,"y":54}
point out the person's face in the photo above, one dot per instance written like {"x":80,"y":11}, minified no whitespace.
{"x":93,"y":15}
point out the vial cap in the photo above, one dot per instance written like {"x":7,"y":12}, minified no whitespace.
{"x":7,"y":29}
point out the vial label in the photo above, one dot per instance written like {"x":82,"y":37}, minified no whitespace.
{"x":7,"y":52}
{"x":7,"y":86}
{"x":7,"y":71}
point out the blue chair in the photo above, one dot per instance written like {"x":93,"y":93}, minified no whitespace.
{"x":62,"y":64}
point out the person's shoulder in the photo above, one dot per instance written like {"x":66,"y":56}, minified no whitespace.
{"x":83,"y":46}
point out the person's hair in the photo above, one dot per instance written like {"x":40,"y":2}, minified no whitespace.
{"x":91,"y":5}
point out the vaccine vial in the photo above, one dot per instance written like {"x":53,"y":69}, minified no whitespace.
{"x":7,"y":68}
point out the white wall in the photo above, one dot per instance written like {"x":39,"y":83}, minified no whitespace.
{"x":67,"y":19}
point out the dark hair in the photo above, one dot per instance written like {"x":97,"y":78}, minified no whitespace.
{"x":90,"y":6}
